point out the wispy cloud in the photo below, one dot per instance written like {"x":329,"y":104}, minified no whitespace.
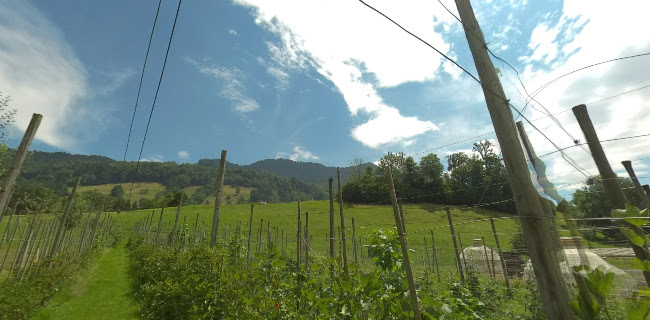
{"x":183,"y":154}
{"x":232,"y":32}
{"x":41,"y":73}
{"x":153,"y":158}
{"x":231,"y":80}
{"x":298,"y":154}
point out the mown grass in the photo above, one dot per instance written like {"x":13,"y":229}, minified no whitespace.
{"x":103,"y":291}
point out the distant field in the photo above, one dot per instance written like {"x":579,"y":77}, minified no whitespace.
{"x":420,"y":218}
{"x":148,"y":190}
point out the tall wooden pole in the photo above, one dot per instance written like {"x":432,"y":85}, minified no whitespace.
{"x":405,"y":251}
{"x":459,"y":266}
{"x":19,"y":158}
{"x":64,"y":219}
{"x":250,"y":230}
{"x":552,"y":287}
{"x":639,"y":189}
{"x":217,"y":201}
{"x":613,"y":190}
{"x":343,"y":241}
{"x":331,"y":234}
{"x":534,"y":161}
{"x":178,"y":214}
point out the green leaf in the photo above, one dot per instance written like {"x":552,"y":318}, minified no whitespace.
{"x":599,"y":284}
{"x":632,"y":236}
{"x":640,"y":312}
{"x":642,"y":265}
{"x":629,"y":213}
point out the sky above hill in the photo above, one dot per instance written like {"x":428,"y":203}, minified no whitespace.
{"x":321,"y":81}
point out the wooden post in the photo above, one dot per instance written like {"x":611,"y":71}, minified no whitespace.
{"x":7,"y":202}
{"x":637,"y":186}
{"x":250,"y":230}
{"x":435,"y":254}
{"x":552,"y":287}
{"x":268,"y":233}
{"x":538,"y":166}
{"x":462,"y":251}
{"x":354,"y":241}
{"x":64,"y":219}
{"x":487,"y":260}
{"x":11,"y":238}
{"x":459,"y":267}
{"x":178,"y":214}
{"x":402,"y":240}
{"x":298,"y":237}
{"x":343,"y":241}
{"x":17,"y":163}
{"x":646,"y":188}
{"x":331,"y":233}
{"x":259,"y":240}
{"x":401,"y":214}
{"x":217,"y":202}
{"x":426,"y":262}
{"x":4,"y":234}
{"x":159,"y":224}
{"x":306,"y":238}
{"x":83,"y":232}
{"x":613,"y":189}
{"x":503,"y":262}
{"x":92,"y":236}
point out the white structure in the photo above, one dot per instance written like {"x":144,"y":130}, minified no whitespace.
{"x":482,"y":258}
{"x":623,"y":283}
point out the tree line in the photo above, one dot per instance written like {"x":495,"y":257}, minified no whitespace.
{"x":476,"y":179}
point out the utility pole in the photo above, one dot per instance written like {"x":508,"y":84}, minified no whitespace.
{"x":19,"y":158}
{"x":613,"y":190}
{"x":217,"y":201}
{"x":552,"y":287}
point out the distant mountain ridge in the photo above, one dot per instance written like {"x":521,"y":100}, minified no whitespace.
{"x":306,"y":171}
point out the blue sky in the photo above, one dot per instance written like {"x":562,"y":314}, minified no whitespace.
{"x":322,"y":81}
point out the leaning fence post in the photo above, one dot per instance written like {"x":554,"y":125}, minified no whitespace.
{"x":453,"y":238}
{"x":343,"y":241}
{"x":637,"y":186}
{"x":178,"y":214}
{"x":219,"y":198}
{"x":62,"y":227}
{"x":405,"y":251}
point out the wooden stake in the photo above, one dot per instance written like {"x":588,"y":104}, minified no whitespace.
{"x":17,"y":163}
{"x":552,"y":287}
{"x":64,"y":218}
{"x":306,"y":238}
{"x":459,"y":266}
{"x":250,"y":230}
{"x":332,"y":242}
{"x":219,"y":196}
{"x":613,"y":189}
{"x":503,"y":262}
{"x":637,"y":186}
{"x":159,"y":224}
{"x":435,"y":254}
{"x":354,"y":240}
{"x":298,"y":239}
{"x":402,"y":240}
{"x":178,"y":214}
{"x":343,"y":241}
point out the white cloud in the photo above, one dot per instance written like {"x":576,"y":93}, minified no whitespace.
{"x":605,"y":35}
{"x":153,"y":158}
{"x":360,"y":42}
{"x":232,"y":87}
{"x":298,"y":154}
{"x":183,"y":154}
{"x":232,"y":32}
{"x":41,"y":74}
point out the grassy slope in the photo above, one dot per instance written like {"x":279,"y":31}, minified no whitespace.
{"x":101,"y":292}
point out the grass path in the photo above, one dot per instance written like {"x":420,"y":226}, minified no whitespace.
{"x":101,"y":292}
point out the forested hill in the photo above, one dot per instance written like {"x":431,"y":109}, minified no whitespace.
{"x":58,"y":170}
{"x":307,"y":171}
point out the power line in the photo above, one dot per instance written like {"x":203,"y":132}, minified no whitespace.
{"x":608,"y":140}
{"x":153,"y":106}
{"x":144,"y":65}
